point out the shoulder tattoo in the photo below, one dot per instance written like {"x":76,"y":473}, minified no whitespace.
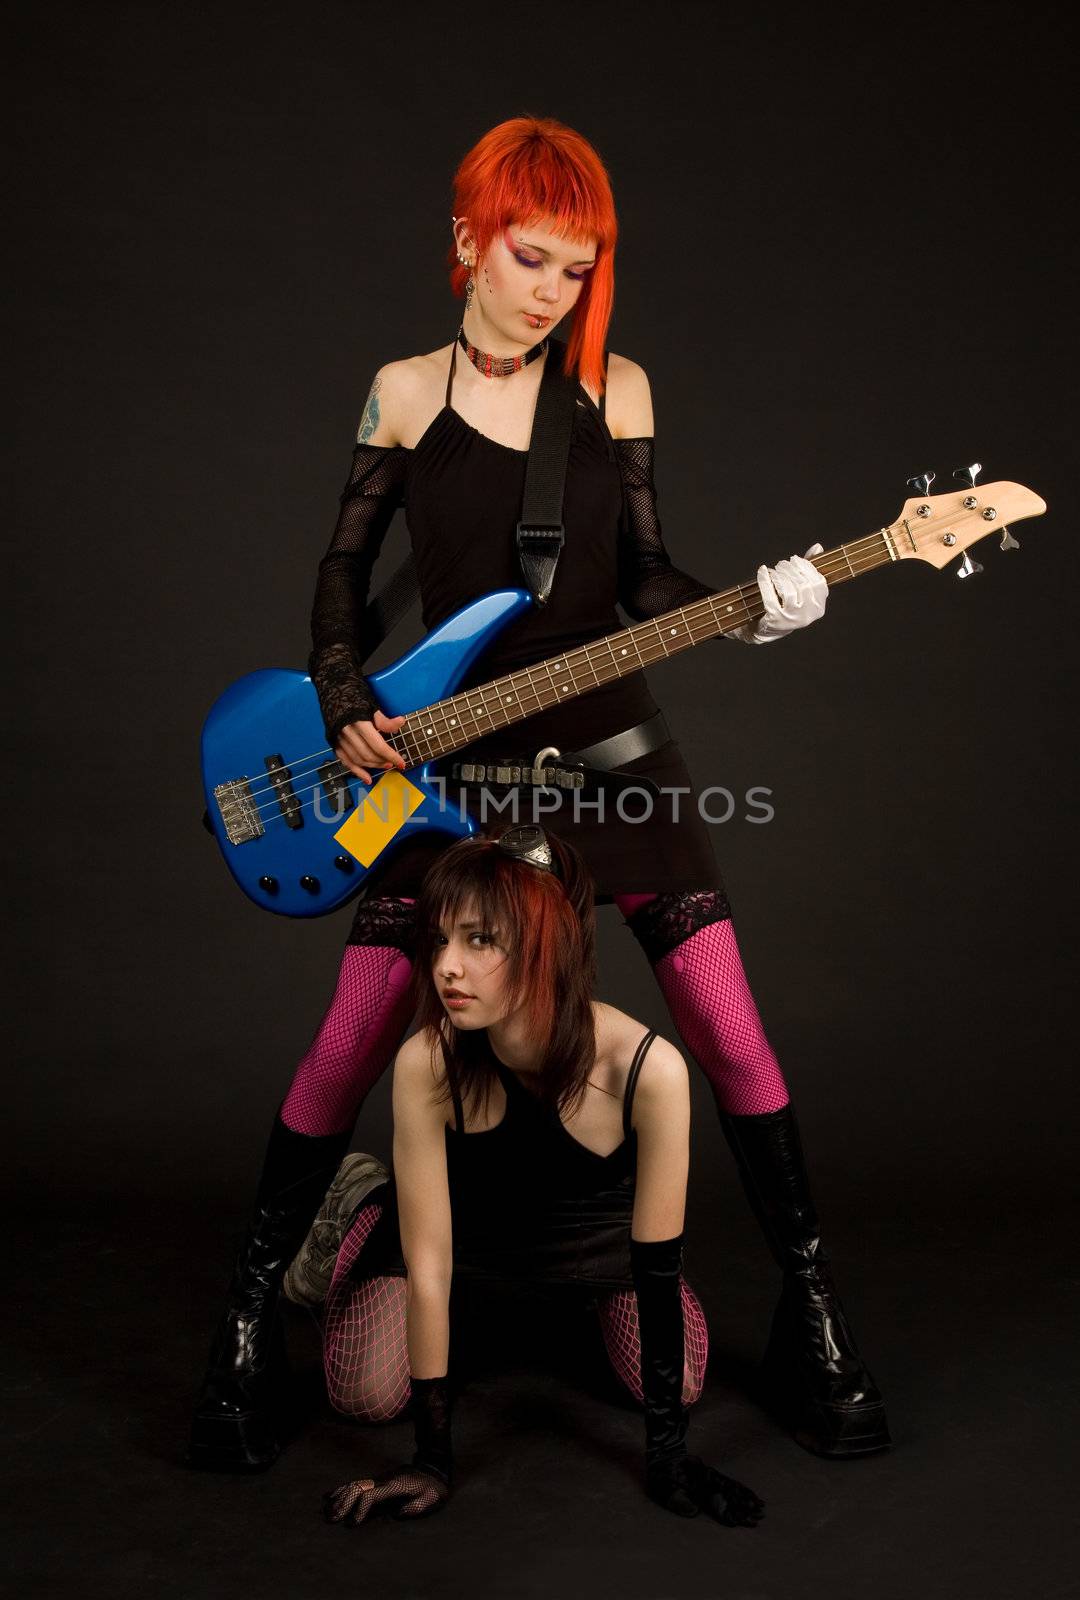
{"x":370,"y":420}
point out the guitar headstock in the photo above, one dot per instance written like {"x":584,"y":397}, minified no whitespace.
{"x":937,"y":527}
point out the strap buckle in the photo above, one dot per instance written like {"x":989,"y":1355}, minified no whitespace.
{"x":539,"y":546}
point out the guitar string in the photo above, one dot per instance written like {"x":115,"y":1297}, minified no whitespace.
{"x":487,"y":711}
{"x":296,"y":767}
{"x":273,"y":806}
{"x":840,"y":555}
{"x":691,"y":613}
{"x":706,"y":604}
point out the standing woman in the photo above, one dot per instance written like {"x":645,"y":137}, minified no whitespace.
{"x":446,"y":436}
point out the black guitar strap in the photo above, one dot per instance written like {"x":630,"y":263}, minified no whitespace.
{"x":540,"y":534}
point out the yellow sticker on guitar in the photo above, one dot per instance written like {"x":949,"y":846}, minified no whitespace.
{"x":382,"y":811}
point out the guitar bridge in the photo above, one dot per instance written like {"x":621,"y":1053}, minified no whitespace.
{"x":239,"y":813}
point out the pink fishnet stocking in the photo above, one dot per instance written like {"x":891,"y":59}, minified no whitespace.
{"x":365,"y":1352}
{"x":710,"y":1002}
{"x":354,"y":1043}
{"x":618,"y":1313}
{"x":366,"y":1355}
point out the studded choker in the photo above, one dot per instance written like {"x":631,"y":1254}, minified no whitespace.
{"x":498,"y":366}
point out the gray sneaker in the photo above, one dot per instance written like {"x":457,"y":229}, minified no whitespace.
{"x":307,"y":1281}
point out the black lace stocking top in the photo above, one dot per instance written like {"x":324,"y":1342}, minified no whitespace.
{"x":462,"y":495}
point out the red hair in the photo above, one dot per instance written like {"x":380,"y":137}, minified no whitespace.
{"x":547,"y":925}
{"x":527,"y":170}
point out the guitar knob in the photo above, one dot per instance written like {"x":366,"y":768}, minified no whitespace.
{"x":967,"y":567}
{"x":344,"y":863}
{"x":309,"y":883}
{"x":969,"y":474}
{"x":921,"y":482}
{"x":1007,"y":541}
{"x":269,"y":884}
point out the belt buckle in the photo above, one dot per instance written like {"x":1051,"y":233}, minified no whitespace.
{"x":569,"y":775}
{"x":540,"y":775}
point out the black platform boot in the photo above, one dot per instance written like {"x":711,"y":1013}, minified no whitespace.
{"x":812,"y":1369}
{"x":235,"y":1427}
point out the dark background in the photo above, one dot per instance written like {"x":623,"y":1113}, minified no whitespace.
{"x":845,"y":257}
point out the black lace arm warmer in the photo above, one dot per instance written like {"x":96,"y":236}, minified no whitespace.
{"x":373,"y":493}
{"x":648,"y":583}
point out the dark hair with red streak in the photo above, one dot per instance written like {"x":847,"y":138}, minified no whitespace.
{"x":547,"y":925}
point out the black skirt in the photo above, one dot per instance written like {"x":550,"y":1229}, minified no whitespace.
{"x":633,"y":843}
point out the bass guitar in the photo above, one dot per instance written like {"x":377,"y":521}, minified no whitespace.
{"x":299,"y":832}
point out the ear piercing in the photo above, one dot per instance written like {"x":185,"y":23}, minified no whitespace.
{"x":465,"y":262}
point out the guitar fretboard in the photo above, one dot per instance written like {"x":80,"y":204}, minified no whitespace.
{"x":450,"y":724}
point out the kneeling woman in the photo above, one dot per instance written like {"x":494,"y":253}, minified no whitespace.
{"x":538,"y":1134}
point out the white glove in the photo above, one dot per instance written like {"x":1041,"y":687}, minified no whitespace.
{"x":793,"y":594}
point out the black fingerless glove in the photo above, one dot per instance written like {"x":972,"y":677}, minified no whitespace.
{"x":656,"y":1267}
{"x":430,"y":1406}
{"x":344,"y":693}
{"x":417,"y":1490}
{"x":685,"y":1485}
{"x":680,"y":1483}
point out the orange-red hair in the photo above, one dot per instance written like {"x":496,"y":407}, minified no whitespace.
{"x":530,"y":169}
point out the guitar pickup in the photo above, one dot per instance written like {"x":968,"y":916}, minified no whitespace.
{"x":239,"y":812}
{"x":335,"y":788}
{"x":281,"y":783}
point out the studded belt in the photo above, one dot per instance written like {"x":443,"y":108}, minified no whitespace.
{"x":594,"y":767}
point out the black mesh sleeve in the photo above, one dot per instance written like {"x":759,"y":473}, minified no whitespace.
{"x":373,"y":493}
{"x":648,"y":583}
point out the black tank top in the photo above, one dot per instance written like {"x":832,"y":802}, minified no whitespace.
{"x":528,"y":1200}
{"x":463,"y":498}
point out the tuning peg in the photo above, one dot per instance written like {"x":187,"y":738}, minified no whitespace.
{"x":1007,"y":541}
{"x":969,"y":473}
{"x":967,"y":567}
{"x":921,"y":482}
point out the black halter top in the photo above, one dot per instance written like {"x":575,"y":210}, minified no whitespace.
{"x":463,"y":497}
{"x":463,"y":494}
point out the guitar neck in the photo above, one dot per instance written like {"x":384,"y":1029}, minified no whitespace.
{"x":449,"y":725}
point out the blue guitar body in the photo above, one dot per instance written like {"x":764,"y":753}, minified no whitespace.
{"x":276,"y":799}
